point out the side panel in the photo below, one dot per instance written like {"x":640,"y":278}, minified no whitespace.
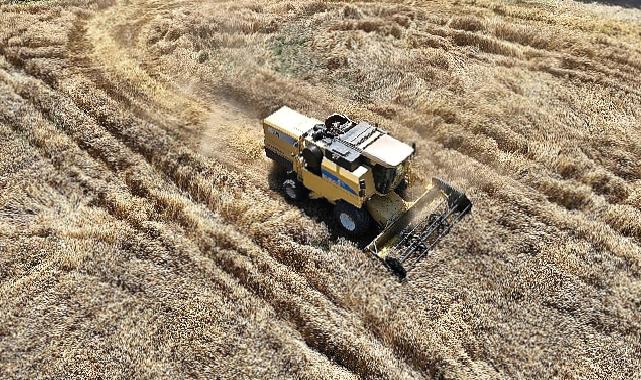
{"x":328,"y":189}
{"x":336,"y":183}
{"x":278,"y":144}
{"x":285,"y":163}
{"x":362,"y":174}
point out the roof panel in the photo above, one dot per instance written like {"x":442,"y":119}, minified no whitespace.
{"x":291,"y":121}
{"x":388,"y":150}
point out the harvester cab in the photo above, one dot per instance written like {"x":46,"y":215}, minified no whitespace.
{"x":361,"y":169}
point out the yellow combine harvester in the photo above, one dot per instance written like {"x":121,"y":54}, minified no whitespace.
{"x":361,"y":169}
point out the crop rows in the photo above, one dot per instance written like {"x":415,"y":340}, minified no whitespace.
{"x":143,"y":234}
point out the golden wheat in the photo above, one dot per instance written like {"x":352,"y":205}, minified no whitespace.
{"x":141,"y":234}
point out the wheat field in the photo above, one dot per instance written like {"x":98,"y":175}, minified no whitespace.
{"x":143,"y":235}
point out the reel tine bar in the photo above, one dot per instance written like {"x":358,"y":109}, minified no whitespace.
{"x":419,"y":239}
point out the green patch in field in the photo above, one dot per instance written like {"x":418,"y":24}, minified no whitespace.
{"x":291,"y":53}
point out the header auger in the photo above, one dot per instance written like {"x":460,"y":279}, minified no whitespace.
{"x":361,"y":169}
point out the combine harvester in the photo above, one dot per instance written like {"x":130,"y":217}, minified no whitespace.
{"x":361,"y":169}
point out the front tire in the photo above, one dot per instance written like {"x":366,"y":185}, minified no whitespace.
{"x":354,"y":221}
{"x":294,"y":190}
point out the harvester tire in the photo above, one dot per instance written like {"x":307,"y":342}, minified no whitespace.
{"x":353,"y":220}
{"x":294,"y":190}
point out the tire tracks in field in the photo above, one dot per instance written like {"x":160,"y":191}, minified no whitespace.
{"x":78,"y":52}
{"x":350,"y":352}
{"x":163,"y":116}
{"x":275,"y":242}
{"x":285,"y":253}
{"x":136,"y":222}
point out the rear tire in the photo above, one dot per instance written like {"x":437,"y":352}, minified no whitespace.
{"x":294,"y":190}
{"x":354,"y":221}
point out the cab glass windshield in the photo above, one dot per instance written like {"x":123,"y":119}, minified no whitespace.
{"x":387,"y":179}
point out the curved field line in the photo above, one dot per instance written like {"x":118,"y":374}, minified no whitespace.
{"x":121,"y":162}
{"x":93,"y":182}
